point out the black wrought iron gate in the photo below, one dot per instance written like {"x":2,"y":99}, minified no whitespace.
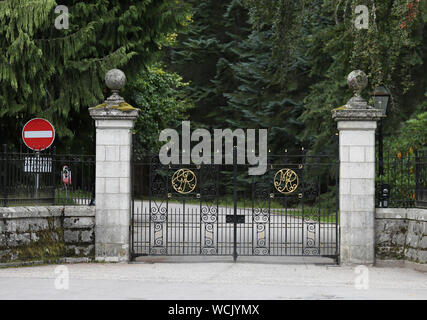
{"x":219,"y":209}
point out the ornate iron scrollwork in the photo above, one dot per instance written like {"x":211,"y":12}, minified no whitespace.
{"x":286,"y":181}
{"x":287,"y":219}
{"x":184,"y":181}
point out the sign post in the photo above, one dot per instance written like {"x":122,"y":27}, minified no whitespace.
{"x":37,"y":176}
{"x":38,"y":134}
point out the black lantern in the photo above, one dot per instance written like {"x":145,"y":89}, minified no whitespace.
{"x":381,"y":98}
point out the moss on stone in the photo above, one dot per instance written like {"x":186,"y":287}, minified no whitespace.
{"x":48,"y":246}
{"x":340,"y":108}
{"x":124,"y":106}
{"x":390,"y":252}
{"x":100,"y":106}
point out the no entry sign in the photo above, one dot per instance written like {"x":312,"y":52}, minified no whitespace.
{"x":38,"y":134}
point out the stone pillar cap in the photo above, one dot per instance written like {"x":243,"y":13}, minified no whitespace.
{"x":346,"y":114}
{"x":114,"y":106}
{"x":357,"y":109}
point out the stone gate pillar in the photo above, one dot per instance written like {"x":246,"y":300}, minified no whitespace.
{"x":114,"y":121}
{"x":357,"y":123}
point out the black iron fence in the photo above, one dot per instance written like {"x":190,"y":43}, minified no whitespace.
{"x":46,"y":178}
{"x":421,"y":179}
{"x":402,"y":180}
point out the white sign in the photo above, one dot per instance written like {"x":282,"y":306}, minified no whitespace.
{"x":37,"y":165}
{"x":38,"y":134}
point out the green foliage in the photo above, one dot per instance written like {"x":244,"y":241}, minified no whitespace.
{"x":284,"y":19}
{"x":260,"y":101}
{"x":58,"y":74}
{"x":159,"y":94}
{"x":275,"y":64}
{"x":412,"y":134}
{"x":204,"y":53}
{"x":329,"y":47}
{"x":233,"y":74}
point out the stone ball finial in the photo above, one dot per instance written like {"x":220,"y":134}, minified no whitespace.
{"x":115,"y":79}
{"x":357,"y":81}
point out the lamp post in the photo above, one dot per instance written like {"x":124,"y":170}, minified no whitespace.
{"x":381,"y":98}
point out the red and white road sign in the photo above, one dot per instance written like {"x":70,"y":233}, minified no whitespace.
{"x":38,"y":134}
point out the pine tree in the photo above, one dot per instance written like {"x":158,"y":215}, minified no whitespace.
{"x":57,"y":74}
{"x":204,"y":54}
{"x":321,"y":34}
{"x":260,"y":101}
{"x":390,"y":55}
{"x":234,"y":76}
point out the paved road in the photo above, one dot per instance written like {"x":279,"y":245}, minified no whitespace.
{"x":276,"y":233}
{"x":210,"y":281}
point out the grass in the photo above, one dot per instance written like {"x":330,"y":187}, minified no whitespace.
{"x":292,"y":210}
{"x":72,"y":197}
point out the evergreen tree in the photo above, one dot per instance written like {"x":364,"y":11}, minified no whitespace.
{"x":390,"y":55}
{"x":204,"y":54}
{"x":57,"y":74}
{"x":234,"y":77}
{"x":322,"y":34}
{"x":260,"y":101}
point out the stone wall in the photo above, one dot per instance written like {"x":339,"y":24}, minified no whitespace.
{"x":401,"y":234}
{"x":46,"y":234}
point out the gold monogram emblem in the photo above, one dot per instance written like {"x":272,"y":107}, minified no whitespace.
{"x":286,"y":181}
{"x":184,"y":181}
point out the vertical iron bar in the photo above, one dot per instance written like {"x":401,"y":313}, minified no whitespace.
{"x":217,"y":176}
{"x":235,"y":202}
{"x":150,"y":195}
{"x":5,"y":175}
{"x":166,"y":223}
{"x":253,"y":236}
{"x":132,"y":199}
{"x":319,"y":186}
{"x":337,"y":191}
{"x":380,"y":149}
{"x":37,"y":167}
{"x":53,"y":168}
{"x":302,"y":203}
{"x":201,"y":205}
{"x":183,"y":227}
{"x":417,"y":177}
